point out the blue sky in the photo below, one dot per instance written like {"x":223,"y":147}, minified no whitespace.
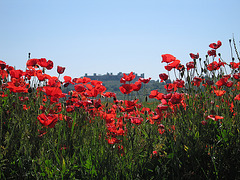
{"x":100,"y":36}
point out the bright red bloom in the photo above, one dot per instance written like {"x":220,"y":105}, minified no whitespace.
{"x":161,"y":128}
{"x":53,"y":91}
{"x":237,"y":97}
{"x":179,"y":83}
{"x":236,"y":76}
{"x":176,"y":98}
{"x":16,"y":73}
{"x":219,"y":92}
{"x":197,"y":81}
{"x":222,"y":81}
{"x":136,"y":120}
{"x":96,"y":82}
{"x":180,"y":67}
{"x":212,"y":53}
{"x":113,"y":140}
{"x":2,"y":65}
{"x":3,"y":74}
{"x":234,"y":65}
{"x":79,"y":88}
{"x":229,"y":84}
{"x":67,"y":79}
{"x":214,"y":117}
{"x":126,"y":88}
{"x":32,"y":63}
{"x":48,"y":120}
{"x":174,"y":64}
{"x":163,"y":77}
{"x":190,"y":65}
{"x":128,"y":77}
{"x":137,"y":86}
{"x":194,"y":56}
{"x":145,"y":81}
{"x":213,"y":66}
{"x":170,"y":87}
{"x":49,"y":65}
{"x":60,"y":69}
{"x":153,"y":94}
{"x":215,"y":45}
{"x":168,"y":58}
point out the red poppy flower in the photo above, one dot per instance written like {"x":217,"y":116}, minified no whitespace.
{"x":229,"y":84}
{"x":79,"y":88}
{"x":126,"y":88}
{"x":96,"y":82}
{"x":215,"y":45}
{"x":32,"y":63}
{"x":174,"y":64}
{"x":137,"y":86}
{"x":180,"y":67}
{"x":145,"y":81}
{"x":190,"y":65}
{"x":212,"y":53}
{"x":16,"y":73}
{"x":67,"y":79}
{"x":170,"y":87}
{"x":176,"y":98}
{"x":163,"y":77}
{"x":214,"y":117}
{"x":234,"y":65}
{"x":179,"y":83}
{"x":213,"y":66}
{"x":53,"y":91}
{"x":161,"y":128}
{"x":168,"y":58}
{"x":236,"y":76}
{"x":48,"y":120}
{"x":219,"y":92}
{"x":153,"y":94}
{"x":194,"y":56}
{"x":113,"y":140}
{"x":222,"y":81}
{"x":60,"y":69}
{"x":128,"y":77}
{"x":136,"y":120}
{"x":2,"y":65}
{"x":49,"y":65}
{"x":197,"y":81}
{"x":237,"y":97}
{"x":3,"y":74}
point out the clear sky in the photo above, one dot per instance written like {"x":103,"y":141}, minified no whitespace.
{"x":100,"y":36}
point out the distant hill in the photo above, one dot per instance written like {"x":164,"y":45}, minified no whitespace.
{"x":112,"y":83}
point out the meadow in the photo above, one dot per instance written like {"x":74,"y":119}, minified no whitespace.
{"x":190,"y":131}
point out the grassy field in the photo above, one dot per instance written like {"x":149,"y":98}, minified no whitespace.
{"x":188,"y":131}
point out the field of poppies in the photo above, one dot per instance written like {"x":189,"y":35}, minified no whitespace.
{"x":190,"y":131}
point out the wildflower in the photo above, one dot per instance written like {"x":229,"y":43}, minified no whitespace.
{"x":126,"y":88}
{"x":172,"y":65}
{"x":163,"y":77}
{"x":194,"y":56}
{"x":60,"y":69}
{"x":145,"y":81}
{"x":190,"y":65}
{"x":168,"y":58}
{"x":212,"y":53}
{"x":215,"y":45}
{"x":48,"y":120}
{"x":136,"y":120}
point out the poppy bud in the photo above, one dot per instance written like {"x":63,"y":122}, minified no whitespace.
{"x":29,"y":90}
